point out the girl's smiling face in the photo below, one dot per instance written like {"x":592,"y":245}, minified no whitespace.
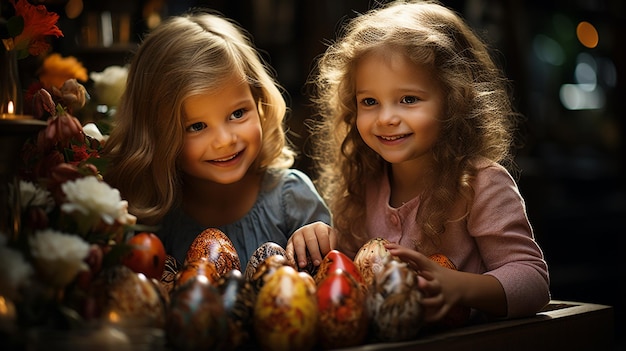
{"x":399,"y":105}
{"x":223,"y":134}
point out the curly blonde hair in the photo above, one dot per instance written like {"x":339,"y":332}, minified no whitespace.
{"x":479,"y":121}
{"x":186,"y":55}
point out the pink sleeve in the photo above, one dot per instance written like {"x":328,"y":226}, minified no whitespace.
{"x":503,"y":234}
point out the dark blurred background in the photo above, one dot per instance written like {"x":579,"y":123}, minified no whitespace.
{"x":566,"y":60}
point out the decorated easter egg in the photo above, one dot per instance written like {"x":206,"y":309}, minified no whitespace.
{"x":370,"y":259}
{"x":285,"y":312}
{"x":458,"y":315}
{"x":265,"y":270}
{"x":238,"y":300}
{"x":394,"y":303}
{"x":342,"y":309}
{"x":128,"y":298}
{"x":334,"y":260}
{"x":201,"y":266}
{"x":169,"y":273}
{"x":259,"y":255}
{"x":196,"y":319}
{"x":215,"y":246}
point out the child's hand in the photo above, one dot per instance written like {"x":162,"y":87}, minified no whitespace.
{"x":440,"y":286}
{"x":318,"y":238}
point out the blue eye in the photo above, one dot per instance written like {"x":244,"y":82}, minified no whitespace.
{"x":368,"y":101}
{"x":196,"y":127}
{"x":409,"y":99}
{"x":238,"y":114}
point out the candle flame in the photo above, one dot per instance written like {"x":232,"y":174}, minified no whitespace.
{"x":10,"y":108}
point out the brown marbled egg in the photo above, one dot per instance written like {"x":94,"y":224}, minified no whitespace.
{"x":259,"y":255}
{"x":201,"y":266}
{"x":285,"y":312}
{"x":265,"y":270}
{"x":342,"y":308}
{"x":370,"y":259}
{"x":394,"y":303}
{"x":196,"y":319}
{"x":128,"y":298}
{"x":214,"y":245}
{"x":238,"y":300}
{"x":169,"y":273}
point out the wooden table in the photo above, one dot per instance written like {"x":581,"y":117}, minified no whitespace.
{"x":562,"y":325}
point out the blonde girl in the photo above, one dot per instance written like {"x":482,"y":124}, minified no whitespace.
{"x":199,"y":140}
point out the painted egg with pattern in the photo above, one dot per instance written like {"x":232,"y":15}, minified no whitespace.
{"x":196,"y":319}
{"x":334,"y":260}
{"x":201,"y":266}
{"x":259,"y":255}
{"x":215,"y":246}
{"x":285,"y":313}
{"x":128,"y":298}
{"x":169,"y":273}
{"x":265,"y":270}
{"x":458,"y":315}
{"x":342,"y":309}
{"x":238,"y":300}
{"x":370,"y":259}
{"x":394,"y":303}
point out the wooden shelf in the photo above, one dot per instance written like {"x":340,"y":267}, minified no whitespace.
{"x":563,"y":325}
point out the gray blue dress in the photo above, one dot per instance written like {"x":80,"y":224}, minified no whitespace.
{"x":287,"y":201}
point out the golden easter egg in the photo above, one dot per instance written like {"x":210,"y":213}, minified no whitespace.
{"x":394,"y":303}
{"x":265,"y":270}
{"x":285,"y":312}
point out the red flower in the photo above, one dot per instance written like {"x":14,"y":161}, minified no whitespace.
{"x":38,"y":23}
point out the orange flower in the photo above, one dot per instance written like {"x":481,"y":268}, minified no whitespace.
{"x":38,"y":23}
{"x":57,"y":69}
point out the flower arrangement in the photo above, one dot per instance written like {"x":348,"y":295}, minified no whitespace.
{"x":71,"y":219}
{"x":27,"y":30}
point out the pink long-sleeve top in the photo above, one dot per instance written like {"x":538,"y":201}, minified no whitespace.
{"x":495,"y":238}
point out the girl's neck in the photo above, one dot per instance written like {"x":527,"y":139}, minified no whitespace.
{"x":212,"y":204}
{"x":407,"y":181}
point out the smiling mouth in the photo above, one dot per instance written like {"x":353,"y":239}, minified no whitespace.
{"x":392,"y":138}
{"x":226,"y":159}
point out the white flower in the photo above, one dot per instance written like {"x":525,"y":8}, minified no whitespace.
{"x":109,"y":84}
{"x":32,"y":195}
{"x":126,"y":218}
{"x":93,"y":199}
{"x":14,"y":272}
{"x":58,"y":256}
{"x":91,"y":129}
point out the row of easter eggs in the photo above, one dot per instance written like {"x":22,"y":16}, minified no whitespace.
{"x":342,"y":303}
{"x":208,"y":302}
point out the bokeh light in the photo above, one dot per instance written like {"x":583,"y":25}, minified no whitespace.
{"x":587,"y":34}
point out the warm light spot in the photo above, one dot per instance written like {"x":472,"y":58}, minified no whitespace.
{"x":10,"y":108}
{"x":587,"y":34}
{"x":113,"y":317}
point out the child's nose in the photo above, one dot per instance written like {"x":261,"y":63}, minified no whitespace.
{"x":223,"y":137}
{"x":388,"y":116}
